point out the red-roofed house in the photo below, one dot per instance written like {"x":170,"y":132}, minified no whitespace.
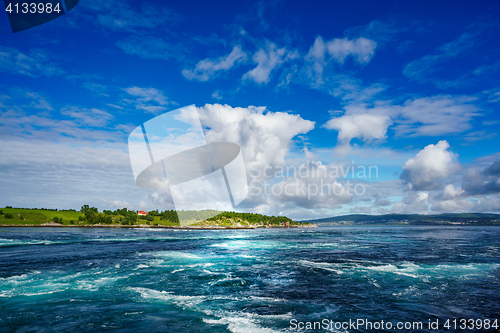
{"x":142,"y":213}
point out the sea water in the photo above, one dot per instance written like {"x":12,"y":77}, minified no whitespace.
{"x":164,"y":280}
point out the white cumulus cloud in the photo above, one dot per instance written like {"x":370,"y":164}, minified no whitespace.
{"x":461,"y":205}
{"x":150,"y":100}
{"x":361,"y":49}
{"x":264,"y":137}
{"x":367,"y":127}
{"x":207,"y":69}
{"x":267,"y":60}
{"x":450,"y":192}
{"x":35,"y":63}
{"x":432,"y":165}
{"x":425,"y":116}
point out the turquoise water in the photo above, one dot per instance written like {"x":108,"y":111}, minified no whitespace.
{"x":160,"y":280}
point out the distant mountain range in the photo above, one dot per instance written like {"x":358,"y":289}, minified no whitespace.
{"x":411,"y":219}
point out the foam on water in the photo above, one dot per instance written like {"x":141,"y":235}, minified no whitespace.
{"x":239,"y":324}
{"x":176,"y":255}
{"x":236,"y":321}
{"x":250,"y":245}
{"x":407,"y":269}
{"x":14,"y":242}
{"x":255,"y":281}
{"x":322,"y":265}
{"x":424,"y":273}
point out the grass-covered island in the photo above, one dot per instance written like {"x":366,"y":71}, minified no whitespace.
{"x":124,"y":218}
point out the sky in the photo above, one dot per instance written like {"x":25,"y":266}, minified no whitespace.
{"x":409,"y":90}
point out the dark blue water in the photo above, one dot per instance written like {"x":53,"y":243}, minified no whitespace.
{"x":158,"y":280}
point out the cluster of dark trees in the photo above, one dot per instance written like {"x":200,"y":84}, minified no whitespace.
{"x":149,"y":218}
{"x":130,"y":217}
{"x":154,"y":213}
{"x":253,"y":218}
{"x":92,"y":216}
{"x":96,"y":218}
{"x":7,"y":215}
{"x":169,"y":215}
{"x":85,"y":209}
{"x":51,"y":209}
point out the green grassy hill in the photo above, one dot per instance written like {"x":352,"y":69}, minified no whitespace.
{"x":36,"y":216}
{"x":24,"y":216}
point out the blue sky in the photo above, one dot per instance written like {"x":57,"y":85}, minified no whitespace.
{"x":410,"y":87}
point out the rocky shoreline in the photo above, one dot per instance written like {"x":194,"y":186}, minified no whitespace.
{"x":142,"y":226}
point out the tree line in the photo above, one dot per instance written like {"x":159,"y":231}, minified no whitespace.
{"x":124,"y":216}
{"x":253,"y":218}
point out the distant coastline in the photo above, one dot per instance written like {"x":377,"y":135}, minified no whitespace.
{"x":450,"y":219}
